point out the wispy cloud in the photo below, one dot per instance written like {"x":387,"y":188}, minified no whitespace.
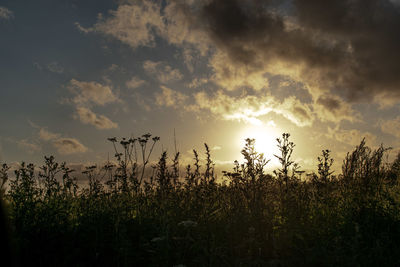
{"x":55,"y":67}
{"x":197,"y":82}
{"x":52,"y":67}
{"x":64,"y":145}
{"x":5,"y":13}
{"x":247,"y":108}
{"x":231,"y":76}
{"x":139,"y":22}
{"x":351,"y":137}
{"x":86,"y":116}
{"x":333,"y":108}
{"x":28,"y":146}
{"x":169,"y":98}
{"x":67,"y":146}
{"x":88,"y":94}
{"x":91,"y":93}
{"x":83,"y":29}
{"x":131,"y":24}
{"x":135,"y":82}
{"x":46,"y":135}
{"x":391,"y":126}
{"x":162,"y":71}
{"x":250,"y":108}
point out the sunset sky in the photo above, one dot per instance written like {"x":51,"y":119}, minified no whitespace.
{"x":74,"y":72}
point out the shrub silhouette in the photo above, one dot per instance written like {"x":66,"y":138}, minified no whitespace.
{"x":131,"y":213}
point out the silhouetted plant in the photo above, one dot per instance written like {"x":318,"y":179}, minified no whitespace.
{"x":196,"y":173}
{"x":394,"y":170}
{"x":3,"y":177}
{"x":209,"y":172}
{"x":127,"y":169}
{"x":285,"y":158}
{"x":175,"y":166}
{"x":47,"y":175}
{"x":126,"y":216}
{"x":363,"y":169}
{"x":324,"y":166}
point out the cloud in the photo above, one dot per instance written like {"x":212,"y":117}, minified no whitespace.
{"x":343,"y":51}
{"x":184,"y":29}
{"x":138,"y":23}
{"x":162,"y":71}
{"x":343,"y":47}
{"x":63,"y":145}
{"x":391,"y":127}
{"x":46,"y":135}
{"x":5,"y":13}
{"x":297,"y":112}
{"x":133,"y":24}
{"x":55,"y":67}
{"x":28,"y":146}
{"x":86,"y":116}
{"x":83,"y":29}
{"x":66,"y":146}
{"x":189,"y":58}
{"x":135,"y":82}
{"x":52,"y":67}
{"x":170,"y":98}
{"x":91,"y":92}
{"x":250,"y":108}
{"x":333,"y":108}
{"x":231,"y":76}
{"x":113,"y":67}
{"x":197,"y":82}
{"x":346,"y":47}
{"x":351,"y":137}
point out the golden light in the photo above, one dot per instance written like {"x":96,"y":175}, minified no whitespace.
{"x":265,"y":140}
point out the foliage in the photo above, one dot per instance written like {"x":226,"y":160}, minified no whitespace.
{"x":249,"y":218}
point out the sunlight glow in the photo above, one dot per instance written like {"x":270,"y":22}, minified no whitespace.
{"x":265,"y":136}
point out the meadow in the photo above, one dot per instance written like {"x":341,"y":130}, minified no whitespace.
{"x":134,"y":213}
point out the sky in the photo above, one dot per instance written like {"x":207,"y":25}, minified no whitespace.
{"x":74,"y":72}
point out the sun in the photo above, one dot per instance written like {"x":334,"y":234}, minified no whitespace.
{"x":265,"y":140}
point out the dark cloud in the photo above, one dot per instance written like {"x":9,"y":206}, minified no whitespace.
{"x":302,"y":113}
{"x":66,"y":146}
{"x":329,"y":103}
{"x":239,"y":27}
{"x":351,"y":47}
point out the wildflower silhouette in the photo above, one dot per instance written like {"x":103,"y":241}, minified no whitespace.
{"x":131,"y":212}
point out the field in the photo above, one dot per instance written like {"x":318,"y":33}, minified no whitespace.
{"x":132,"y":213}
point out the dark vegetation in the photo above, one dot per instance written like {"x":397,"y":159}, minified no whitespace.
{"x":186,"y":217}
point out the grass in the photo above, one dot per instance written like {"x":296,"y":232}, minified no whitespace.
{"x":124,"y":217}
